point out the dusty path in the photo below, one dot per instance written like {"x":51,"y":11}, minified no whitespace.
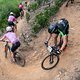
{"x":69,"y":60}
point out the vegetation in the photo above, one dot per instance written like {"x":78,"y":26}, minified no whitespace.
{"x":33,"y":6}
{"x":27,"y":16}
{"x":42,"y":19}
{"x":6,"y":6}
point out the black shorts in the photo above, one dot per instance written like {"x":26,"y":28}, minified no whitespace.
{"x":20,"y":9}
{"x":11,"y":24}
{"x":15,"y":46}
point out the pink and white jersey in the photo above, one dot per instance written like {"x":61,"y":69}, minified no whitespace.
{"x":20,"y":6}
{"x":11,"y":18}
{"x":11,"y":36}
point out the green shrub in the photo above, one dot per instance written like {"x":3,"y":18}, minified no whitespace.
{"x":45,"y":1}
{"x":33,"y":6}
{"x":36,"y":28}
{"x":27,"y":16}
{"x":42,"y":20}
{"x":6,"y":6}
{"x":59,"y":2}
{"x":53,"y":10}
{"x":39,"y":2}
{"x":47,"y":13}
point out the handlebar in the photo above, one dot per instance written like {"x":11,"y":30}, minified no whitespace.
{"x":52,"y":48}
{"x":5,"y":41}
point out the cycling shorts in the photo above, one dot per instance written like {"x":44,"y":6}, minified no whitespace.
{"x":20,"y":9}
{"x":11,"y":24}
{"x":15,"y":46}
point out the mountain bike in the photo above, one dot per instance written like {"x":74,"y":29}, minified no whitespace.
{"x":17,"y":57}
{"x":51,"y":60}
{"x":72,"y":1}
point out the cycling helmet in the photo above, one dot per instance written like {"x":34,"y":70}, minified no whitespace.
{"x":11,"y":13}
{"x":8,"y":28}
{"x":52,"y":28}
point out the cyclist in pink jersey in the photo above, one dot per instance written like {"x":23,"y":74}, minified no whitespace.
{"x":11,"y":20}
{"x":20,"y":7}
{"x":21,"y":10}
{"x":12,"y":38}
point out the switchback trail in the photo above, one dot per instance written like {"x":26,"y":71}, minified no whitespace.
{"x":69,"y":66}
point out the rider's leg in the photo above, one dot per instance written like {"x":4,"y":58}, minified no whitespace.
{"x":65,"y":41}
{"x":14,"y":48}
{"x":15,"y":27}
{"x":60,"y":41}
{"x":54,"y":36}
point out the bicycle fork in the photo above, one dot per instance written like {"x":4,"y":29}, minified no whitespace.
{"x":6,"y":50}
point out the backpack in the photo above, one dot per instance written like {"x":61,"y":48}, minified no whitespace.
{"x":64,"y":22}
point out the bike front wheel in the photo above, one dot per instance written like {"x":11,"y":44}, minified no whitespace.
{"x":19,"y":59}
{"x":50,"y":61}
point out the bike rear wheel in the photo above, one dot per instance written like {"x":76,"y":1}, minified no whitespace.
{"x":50,"y":61}
{"x":19,"y":59}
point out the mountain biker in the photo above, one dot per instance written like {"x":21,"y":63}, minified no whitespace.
{"x":12,"y":38}
{"x":61,"y":29}
{"x":72,"y":1}
{"x":12,"y":20}
{"x":21,"y":8}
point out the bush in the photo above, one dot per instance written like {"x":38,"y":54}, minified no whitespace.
{"x":33,"y":6}
{"x":47,"y":13}
{"x":42,"y":20}
{"x":39,"y":2}
{"x":59,"y":2}
{"x":6,"y":6}
{"x":27,"y":16}
{"x":36,"y":28}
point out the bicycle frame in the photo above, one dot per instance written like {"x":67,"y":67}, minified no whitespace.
{"x":7,"y":47}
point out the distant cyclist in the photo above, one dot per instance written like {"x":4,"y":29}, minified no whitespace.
{"x":61,"y":29}
{"x":12,"y":20}
{"x":11,"y":37}
{"x":21,"y":10}
{"x":69,"y":1}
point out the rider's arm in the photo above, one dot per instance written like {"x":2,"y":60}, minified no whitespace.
{"x":15,"y":20}
{"x":49,"y":38}
{"x":3,"y":37}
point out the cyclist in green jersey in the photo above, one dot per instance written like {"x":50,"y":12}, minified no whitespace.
{"x":61,"y":30}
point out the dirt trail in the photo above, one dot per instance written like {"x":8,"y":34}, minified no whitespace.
{"x":69,"y":60}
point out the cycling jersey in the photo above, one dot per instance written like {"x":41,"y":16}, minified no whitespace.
{"x":11,"y":18}
{"x":11,"y":36}
{"x":20,"y":6}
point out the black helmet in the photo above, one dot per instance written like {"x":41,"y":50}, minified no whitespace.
{"x":52,"y":28}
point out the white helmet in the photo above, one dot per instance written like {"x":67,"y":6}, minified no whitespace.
{"x":11,"y":13}
{"x":8,"y":28}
